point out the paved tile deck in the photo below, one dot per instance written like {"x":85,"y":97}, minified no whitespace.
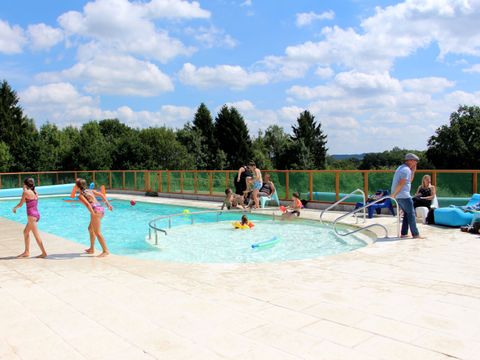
{"x":405,"y":299}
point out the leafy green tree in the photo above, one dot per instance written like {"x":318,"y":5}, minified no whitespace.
{"x":50,"y":146}
{"x":70,"y":138}
{"x":260,"y":153}
{"x":5,"y":157}
{"x":277,"y":144}
{"x":17,"y":131}
{"x":162,"y":150}
{"x":457,"y":145}
{"x":391,"y":159}
{"x":309,"y":138}
{"x":193,"y":140}
{"x":91,"y":151}
{"x":232,"y":136}
{"x":203,"y":124}
{"x":342,"y":164}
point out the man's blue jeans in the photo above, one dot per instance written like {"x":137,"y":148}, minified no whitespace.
{"x":406,"y":204}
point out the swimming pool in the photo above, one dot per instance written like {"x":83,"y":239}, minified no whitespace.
{"x":126,"y":232}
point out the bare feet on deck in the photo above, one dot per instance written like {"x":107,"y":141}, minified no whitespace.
{"x":23,"y":255}
{"x":41,"y":256}
{"x":104,"y":254}
{"x":89,"y":251}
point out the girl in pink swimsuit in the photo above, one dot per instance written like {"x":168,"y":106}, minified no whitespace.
{"x":30,"y":197}
{"x":89,"y":199}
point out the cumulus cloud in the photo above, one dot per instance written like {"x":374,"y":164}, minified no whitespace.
{"x":233,"y":77}
{"x":63,"y":104}
{"x":141,"y":37}
{"x":115,"y":75}
{"x":12,"y":38}
{"x":428,"y":84}
{"x":304,"y":19}
{"x":473,"y":69}
{"x":393,"y":32}
{"x":43,"y":37}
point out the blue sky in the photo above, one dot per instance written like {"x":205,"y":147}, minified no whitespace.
{"x":376,"y":74}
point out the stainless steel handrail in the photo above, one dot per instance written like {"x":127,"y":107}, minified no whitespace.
{"x":152,"y":225}
{"x":371,"y":225}
{"x":342,"y":199}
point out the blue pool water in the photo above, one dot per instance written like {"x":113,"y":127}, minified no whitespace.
{"x":126,"y":232}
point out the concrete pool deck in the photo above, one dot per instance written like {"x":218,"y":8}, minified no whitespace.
{"x":397,"y":299}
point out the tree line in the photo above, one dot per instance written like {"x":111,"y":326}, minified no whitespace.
{"x":223,"y":142}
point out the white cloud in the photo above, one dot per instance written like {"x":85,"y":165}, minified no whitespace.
{"x":12,"y":38}
{"x":393,"y":32}
{"x":473,"y":69}
{"x":115,"y":75}
{"x":324,"y":72}
{"x":321,"y":91}
{"x":233,"y":77}
{"x":43,"y":37}
{"x":62,"y":104}
{"x":246,"y":3}
{"x":176,"y":9}
{"x":281,"y":68}
{"x":212,"y":37}
{"x":304,"y":19}
{"x":428,"y":84}
{"x":367,"y":83}
{"x":141,"y":37}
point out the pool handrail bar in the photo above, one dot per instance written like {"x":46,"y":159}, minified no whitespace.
{"x":152,"y":223}
{"x":342,"y":199}
{"x":371,"y":225}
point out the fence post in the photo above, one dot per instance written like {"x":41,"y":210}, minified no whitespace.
{"x":337,"y":185}
{"x":123,"y":180}
{"x":19,"y":181}
{"x":146,"y":180}
{"x":227,"y":179}
{"x":38,"y":179}
{"x":93,"y":176}
{"x":134,"y":180}
{"x":210,"y":182}
{"x":0,"y":181}
{"x":110,"y":179}
{"x":56,"y":178}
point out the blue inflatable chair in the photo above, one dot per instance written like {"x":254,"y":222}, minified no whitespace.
{"x":455,"y":216}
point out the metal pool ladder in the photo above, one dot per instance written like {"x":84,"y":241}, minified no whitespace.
{"x":371,"y":225}
{"x":344,"y":198}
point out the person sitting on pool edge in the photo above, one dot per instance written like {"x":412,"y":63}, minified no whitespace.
{"x":232,"y":200}
{"x":294,"y":208}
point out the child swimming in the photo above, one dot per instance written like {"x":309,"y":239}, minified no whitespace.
{"x":30,"y":197}
{"x":89,"y":199}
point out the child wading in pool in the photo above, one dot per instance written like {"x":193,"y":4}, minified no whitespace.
{"x":30,"y":197}
{"x":89,"y":199}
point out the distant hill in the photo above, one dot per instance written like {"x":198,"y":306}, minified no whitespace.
{"x":348,"y":156}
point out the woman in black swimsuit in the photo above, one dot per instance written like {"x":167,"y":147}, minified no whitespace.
{"x":425,"y":193}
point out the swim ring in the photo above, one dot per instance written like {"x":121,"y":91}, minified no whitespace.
{"x":238,"y":225}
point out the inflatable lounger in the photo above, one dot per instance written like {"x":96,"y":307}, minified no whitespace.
{"x":41,"y":190}
{"x":453,"y":216}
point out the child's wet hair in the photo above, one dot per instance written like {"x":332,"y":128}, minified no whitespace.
{"x":81,"y":183}
{"x":228,"y":191}
{"x":295,"y":194}
{"x":244,"y":219}
{"x":30,"y":184}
